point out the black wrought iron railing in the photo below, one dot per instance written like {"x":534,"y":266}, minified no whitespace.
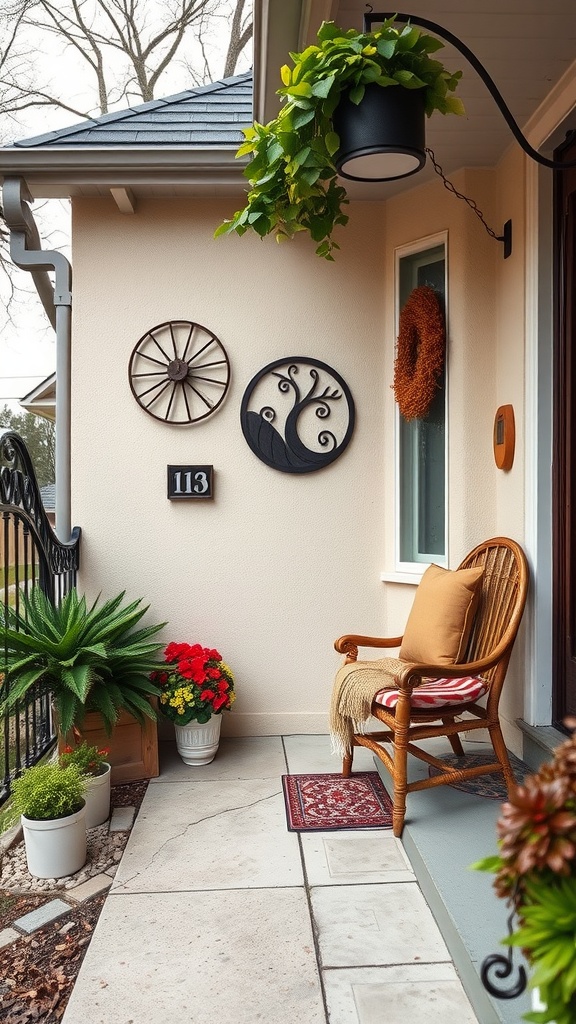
{"x":30,"y":556}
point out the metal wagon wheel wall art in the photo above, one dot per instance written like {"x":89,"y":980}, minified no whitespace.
{"x":280,"y":410}
{"x":179,"y":372}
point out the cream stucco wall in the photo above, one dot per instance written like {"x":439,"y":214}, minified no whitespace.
{"x":278,"y":565}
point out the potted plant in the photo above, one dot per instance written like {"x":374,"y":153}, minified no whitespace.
{"x":196,"y":686}
{"x":96,"y":770}
{"x":50,"y":800}
{"x":292,"y":173}
{"x":536,"y":874}
{"x":92,"y":660}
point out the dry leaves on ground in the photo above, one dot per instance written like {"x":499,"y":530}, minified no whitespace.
{"x":38,"y":971}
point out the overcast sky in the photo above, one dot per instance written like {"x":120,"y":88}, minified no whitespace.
{"x":27,"y":341}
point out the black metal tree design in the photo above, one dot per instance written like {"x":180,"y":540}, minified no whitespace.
{"x":287,"y":451}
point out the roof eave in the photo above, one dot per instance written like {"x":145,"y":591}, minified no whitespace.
{"x":56,"y":170}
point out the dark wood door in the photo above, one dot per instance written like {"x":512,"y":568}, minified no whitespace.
{"x":564,"y":459}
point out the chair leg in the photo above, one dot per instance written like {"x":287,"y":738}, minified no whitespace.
{"x":502,"y":755}
{"x":347,"y":764}
{"x":454,"y":740}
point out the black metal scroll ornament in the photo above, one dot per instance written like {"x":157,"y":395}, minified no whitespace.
{"x":284,"y":436}
{"x":502,"y":967}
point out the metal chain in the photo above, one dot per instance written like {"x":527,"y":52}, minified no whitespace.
{"x":471,"y":203}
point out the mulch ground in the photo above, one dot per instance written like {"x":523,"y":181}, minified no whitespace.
{"x":38,"y":971}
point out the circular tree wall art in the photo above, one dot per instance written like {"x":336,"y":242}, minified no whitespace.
{"x":179,"y":372}
{"x":297,"y":415}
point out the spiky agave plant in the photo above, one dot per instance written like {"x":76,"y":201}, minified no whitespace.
{"x":536,"y":873}
{"x":88,"y":658}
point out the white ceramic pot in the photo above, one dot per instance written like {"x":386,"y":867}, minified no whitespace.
{"x":198,"y":744}
{"x":537,"y":1003}
{"x":97,"y":797}
{"x":56,"y":847}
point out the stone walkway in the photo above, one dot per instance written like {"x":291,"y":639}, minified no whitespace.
{"x":218,"y":913}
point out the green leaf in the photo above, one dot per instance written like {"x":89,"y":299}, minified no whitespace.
{"x":301,"y":89}
{"x":356,"y":95}
{"x":454,"y":105}
{"x":286,"y":74}
{"x":332,"y":142}
{"x":301,"y":118}
{"x":322,"y":88}
{"x":386,"y":48}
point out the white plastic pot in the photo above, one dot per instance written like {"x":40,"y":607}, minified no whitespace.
{"x":56,"y":847}
{"x":97,"y":797}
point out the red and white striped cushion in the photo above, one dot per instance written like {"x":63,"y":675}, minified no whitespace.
{"x":438,"y":693}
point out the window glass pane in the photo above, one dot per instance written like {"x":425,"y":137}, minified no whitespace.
{"x":423,"y":442}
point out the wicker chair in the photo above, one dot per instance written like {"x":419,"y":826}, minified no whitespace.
{"x":495,"y":625}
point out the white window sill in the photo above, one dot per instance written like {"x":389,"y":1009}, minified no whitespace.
{"x":403,"y":577}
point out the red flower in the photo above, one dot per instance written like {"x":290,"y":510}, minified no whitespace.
{"x":223,"y":686}
{"x":219,"y":701}
{"x":207,"y":695}
{"x":213,"y":673}
{"x":213,"y":655}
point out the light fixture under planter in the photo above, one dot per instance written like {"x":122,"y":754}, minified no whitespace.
{"x":383,"y":137}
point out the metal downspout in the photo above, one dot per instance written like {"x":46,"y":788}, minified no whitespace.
{"x":27,"y":253}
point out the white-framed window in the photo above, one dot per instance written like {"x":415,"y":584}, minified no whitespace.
{"x":421,"y":445}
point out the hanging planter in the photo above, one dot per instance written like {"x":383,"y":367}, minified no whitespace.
{"x":383,"y":136}
{"x":296,"y":158}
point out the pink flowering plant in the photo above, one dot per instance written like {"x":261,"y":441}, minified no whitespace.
{"x":194,"y":683}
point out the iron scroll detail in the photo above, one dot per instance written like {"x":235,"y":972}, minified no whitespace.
{"x":19,"y":491}
{"x":501,"y":966}
{"x":287,"y":437}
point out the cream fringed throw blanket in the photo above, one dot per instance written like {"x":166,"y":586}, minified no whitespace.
{"x":355,"y":687}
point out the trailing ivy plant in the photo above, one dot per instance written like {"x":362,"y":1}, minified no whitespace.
{"x":292,"y":173}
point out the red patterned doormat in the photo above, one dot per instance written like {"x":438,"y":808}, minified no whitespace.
{"x":325,"y":803}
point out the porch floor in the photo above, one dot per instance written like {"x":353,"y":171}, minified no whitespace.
{"x":218,"y":913}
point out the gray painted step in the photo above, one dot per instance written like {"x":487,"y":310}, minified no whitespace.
{"x":446,"y":831}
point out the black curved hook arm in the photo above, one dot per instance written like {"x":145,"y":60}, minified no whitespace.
{"x":472,"y":59}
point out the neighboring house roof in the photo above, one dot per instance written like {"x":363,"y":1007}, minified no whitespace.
{"x":207,"y":116}
{"x":48,"y":495}
{"x":42,"y":399}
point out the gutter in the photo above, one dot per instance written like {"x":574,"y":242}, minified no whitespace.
{"x":27,"y":253}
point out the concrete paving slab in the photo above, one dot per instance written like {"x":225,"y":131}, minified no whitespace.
{"x":94,"y":885}
{"x":346,"y":858}
{"x":122,"y":819}
{"x":375,"y":924}
{"x":7,"y":936}
{"x":205,"y":835}
{"x":42,"y":915}
{"x":258,"y":757}
{"x":313,"y":755}
{"x":232,"y":957}
{"x":415,"y":994}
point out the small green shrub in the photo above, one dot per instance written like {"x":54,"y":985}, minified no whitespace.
{"x":48,"y":791}
{"x":90,"y":760}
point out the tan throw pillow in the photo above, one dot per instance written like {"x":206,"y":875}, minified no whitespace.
{"x":439,"y":624}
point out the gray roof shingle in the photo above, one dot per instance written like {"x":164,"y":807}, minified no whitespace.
{"x":206,"y":116}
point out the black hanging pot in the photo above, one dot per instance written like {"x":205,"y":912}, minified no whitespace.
{"x":383,"y":136}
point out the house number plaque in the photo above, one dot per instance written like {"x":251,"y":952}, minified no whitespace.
{"x":190,"y":482}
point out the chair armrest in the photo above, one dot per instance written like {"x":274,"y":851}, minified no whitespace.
{"x":413,"y":674}
{"x":350,"y":643}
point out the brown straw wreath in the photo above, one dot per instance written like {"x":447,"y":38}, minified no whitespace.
{"x":419,"y":354}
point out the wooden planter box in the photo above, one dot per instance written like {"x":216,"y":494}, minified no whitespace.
{"x":133,"y":747}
